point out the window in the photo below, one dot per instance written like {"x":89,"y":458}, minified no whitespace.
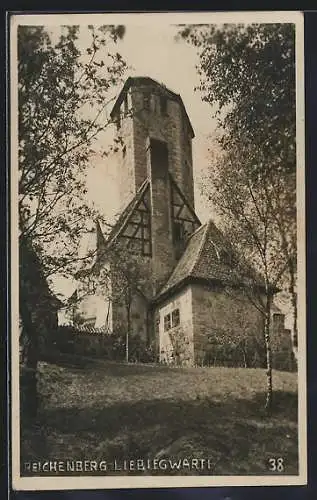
{"x":178,"y":231}
{"x":171,"y":320}
{"x":146,"y":249}
{"x":175,"y":318}
{"x":146,"y":100}
{"x":167,"y":322}
{"x":163,"y":104}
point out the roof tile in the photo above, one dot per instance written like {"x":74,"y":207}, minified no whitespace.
{"x":209,"y":257}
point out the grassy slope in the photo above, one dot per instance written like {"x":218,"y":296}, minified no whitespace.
{"x":108,"y":410}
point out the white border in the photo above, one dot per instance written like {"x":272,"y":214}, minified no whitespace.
{"x":96,"y":482}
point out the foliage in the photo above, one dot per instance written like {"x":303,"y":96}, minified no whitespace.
{"x":63,"y":95}
{"x":121,"y":276}
{"x":247,"y":75}
{"x":140,"y":351}
{"x":235,"y":347}
{"x":68,"y":340}
{"x":225,"y":348}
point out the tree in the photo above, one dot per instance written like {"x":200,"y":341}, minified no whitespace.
{"x":63,"y":92}
{"x":250,"y":224}
{"x":121,"y":266}
{"x":247,"y":73}
{"x":241,"y":343}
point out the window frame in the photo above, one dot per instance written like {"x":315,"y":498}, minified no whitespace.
{"x":169,"y":319}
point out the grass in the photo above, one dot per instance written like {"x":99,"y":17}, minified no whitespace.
{"x":110,"y":410}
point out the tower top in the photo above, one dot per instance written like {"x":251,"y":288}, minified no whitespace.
{"x":145,"y":81}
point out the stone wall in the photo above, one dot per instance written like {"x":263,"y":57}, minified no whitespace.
{"x":228,"y":318}
{"x":171,"y":128}
{"x":282,"y":348}
{"x":124,"y":157}
{"x":73,"y":344}
{"x":218,"y":314}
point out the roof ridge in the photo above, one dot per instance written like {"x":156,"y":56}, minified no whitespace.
{"x":202,"y":244}
{"x":199,"y":228}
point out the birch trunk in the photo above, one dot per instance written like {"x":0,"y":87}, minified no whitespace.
{"x":293,"y":293}
{"x":268,"y":349}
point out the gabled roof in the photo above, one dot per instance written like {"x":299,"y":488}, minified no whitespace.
{"x":104,"y":241}
{"x":134,"y":81}
{"x":127,"y":212}
{"x":207,"y":258}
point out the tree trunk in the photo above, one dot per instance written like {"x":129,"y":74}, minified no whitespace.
{"x":28,"y":389}
{"x":267,"y":338}
{"x":245,"y":364}
{"x":292,"y":289}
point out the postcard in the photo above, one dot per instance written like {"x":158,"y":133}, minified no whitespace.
{"x":157,"y":182}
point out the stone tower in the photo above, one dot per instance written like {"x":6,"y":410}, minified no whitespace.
{"x":155,"y":143}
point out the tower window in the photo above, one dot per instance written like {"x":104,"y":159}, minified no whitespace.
{"x":146,"y":100}
{"x":178,"y":231}
{"x":163,"y":105}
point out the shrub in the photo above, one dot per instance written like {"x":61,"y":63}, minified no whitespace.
{"x":140,"y":351}
{"x":97,"y":343}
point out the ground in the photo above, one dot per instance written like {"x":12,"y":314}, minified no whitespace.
{"x":104,"y":410}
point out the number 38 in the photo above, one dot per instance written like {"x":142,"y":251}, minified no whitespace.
{"x":276,"y":464}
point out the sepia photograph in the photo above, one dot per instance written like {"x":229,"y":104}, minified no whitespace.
{"x":157,"y":180}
